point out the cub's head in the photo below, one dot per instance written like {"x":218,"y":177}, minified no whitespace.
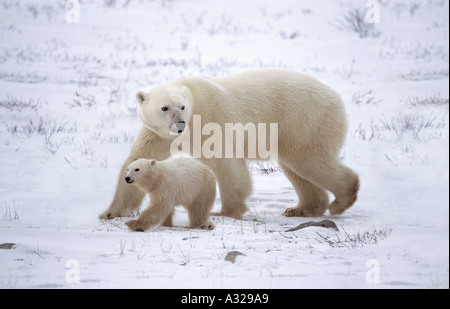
{"x":165,"y":110}
{"x":137,"y":170}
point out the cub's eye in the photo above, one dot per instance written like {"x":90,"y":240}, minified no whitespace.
{"x":164,"y":108}
{"x":136,"y":170}
{"x":182,"y":108}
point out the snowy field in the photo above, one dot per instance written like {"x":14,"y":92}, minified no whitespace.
{"x":68,"y":119}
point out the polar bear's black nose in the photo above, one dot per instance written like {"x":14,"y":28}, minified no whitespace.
{"x":128,"y":179}
{"x":180,"y":126}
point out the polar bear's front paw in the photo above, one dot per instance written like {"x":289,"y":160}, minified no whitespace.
{"x":137,"y":225}
{"x":108,"y":215}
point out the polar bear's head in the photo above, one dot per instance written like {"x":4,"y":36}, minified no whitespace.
{"x":138,"y":170}
{"x":165,"y":110}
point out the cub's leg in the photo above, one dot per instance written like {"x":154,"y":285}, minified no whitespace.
{"x":168,"y":220}
{"x":199,"y":210}
{"x":156,"y":213}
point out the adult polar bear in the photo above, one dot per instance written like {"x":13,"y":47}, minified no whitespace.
{"x":312,"y":127}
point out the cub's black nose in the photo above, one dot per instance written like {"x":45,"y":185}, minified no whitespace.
{"x":127,"y":179}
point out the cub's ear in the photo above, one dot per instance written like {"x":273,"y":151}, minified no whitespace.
{"x":152,"y":162}
{"x":140,"y":97}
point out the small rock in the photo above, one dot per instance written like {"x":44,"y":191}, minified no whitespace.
{"x":7,"y":245}
{"x":323,"y":223}
{"x":231,"y":256}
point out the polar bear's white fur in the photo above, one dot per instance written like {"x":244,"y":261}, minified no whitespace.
{"x":312,"y":127}
{"x":173,"y":182}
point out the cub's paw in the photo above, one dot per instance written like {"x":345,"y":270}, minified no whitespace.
{"x":136,"y":225}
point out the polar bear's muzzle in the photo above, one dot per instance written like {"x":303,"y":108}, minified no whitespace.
{"x":178,"y":127}
{"x":128,"y":179}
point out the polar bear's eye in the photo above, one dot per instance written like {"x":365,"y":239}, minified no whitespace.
{"x":136,"y":170}
{"x":164,"y":108}
{"x":182,"y":108}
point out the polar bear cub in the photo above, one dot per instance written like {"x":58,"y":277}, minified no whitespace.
{"x":175,"y":181}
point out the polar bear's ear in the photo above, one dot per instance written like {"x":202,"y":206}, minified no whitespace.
{"x":152,"y":162}
{"x":140,"y":97}
{"x":185,"y":92}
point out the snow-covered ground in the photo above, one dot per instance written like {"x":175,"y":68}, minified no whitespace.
{"x":68,"y":118}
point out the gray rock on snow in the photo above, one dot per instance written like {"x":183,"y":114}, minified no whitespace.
{"x":323,"y":223}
